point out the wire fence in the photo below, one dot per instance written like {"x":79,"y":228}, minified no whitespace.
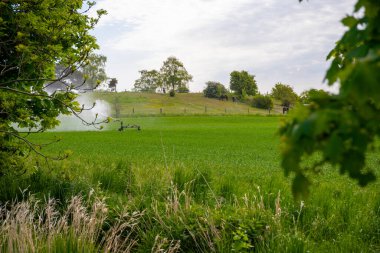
{"x":120,"y":112}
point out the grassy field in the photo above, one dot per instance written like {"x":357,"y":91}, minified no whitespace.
{"x":136,"y":103}
{"x":196,"y":184}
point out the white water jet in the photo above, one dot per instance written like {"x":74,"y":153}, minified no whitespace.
{"x":73,"y":123}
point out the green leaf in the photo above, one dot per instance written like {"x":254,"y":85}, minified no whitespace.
{"x":333,"y":149}
{"x":358,"y":52}
{"x":349,"y":21}
{"x":332,"y":72}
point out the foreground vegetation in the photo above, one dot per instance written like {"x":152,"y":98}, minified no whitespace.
{"x":182,"y":184}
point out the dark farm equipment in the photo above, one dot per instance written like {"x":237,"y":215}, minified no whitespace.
{"x":122,"y":127}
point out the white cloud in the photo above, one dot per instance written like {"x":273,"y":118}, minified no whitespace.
{"x":275,"y":40}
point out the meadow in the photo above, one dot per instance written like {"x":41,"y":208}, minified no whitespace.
{"x":186,"y":184}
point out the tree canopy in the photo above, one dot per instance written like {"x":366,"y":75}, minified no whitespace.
{"x":86,"y":77}
{"x":308,"y":96}
{"x":174,"y":75}
{"x":340,"y":129}
{"x":112,"y":84}
{"x":285,"y":94}
{"x":35,"y":36}
{"x":214,"y":90}
{"x":149,"y":81}
{"x":94,"y":70}
{"x":243,"y":83}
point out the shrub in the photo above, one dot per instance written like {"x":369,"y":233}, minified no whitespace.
{"x":262,"y":101}
{"x":172,"y":93}
{"x":214,"y":90}
{"x":183,"y":89}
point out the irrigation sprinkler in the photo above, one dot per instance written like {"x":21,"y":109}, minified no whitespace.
{"x":122,"y":127}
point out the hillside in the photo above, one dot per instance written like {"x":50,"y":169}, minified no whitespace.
{"x":132,"y":103}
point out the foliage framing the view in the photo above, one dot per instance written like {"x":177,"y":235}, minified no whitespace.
{"x":35,"y":36}
{"x":340,"y":129}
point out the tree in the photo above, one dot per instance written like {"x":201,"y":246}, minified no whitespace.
{"x":112,"y":84}
{"x":263,"y":102}
{"x":308,"y":96}
{"x":341,"y":128}
{"x":86,"y":78}
{"x":35,"y":36}
{"x":243,"y":83}
{"x":285,"y":94}
{"x":94,"y":70}
{"x":174,"y":74}
{"x":214,"y":90}
{"x":149,"y":81}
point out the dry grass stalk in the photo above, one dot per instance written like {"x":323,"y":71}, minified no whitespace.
{"x":163,"y":245}
{"x":29,"y":226}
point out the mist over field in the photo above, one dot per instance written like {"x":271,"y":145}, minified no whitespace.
{"x":72,"y":123}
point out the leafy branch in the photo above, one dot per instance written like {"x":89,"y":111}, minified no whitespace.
{"x":340,"y":128}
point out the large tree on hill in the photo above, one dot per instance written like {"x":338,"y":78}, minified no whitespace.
{"x":243,"y":83}
{"x":285,"y":94}
{"x":174,"y":74}
{"x":149,"y":81}
{"x":35,"y":36}
{"x":340,"y":128}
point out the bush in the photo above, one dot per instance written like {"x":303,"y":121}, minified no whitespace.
{"x":172,"y":93}
{"x":262,"y":101}
{"x":312,"y":94}
{"x":183,"y":89}
{"x":214,"y":90}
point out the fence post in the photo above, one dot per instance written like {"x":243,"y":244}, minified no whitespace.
{"x":133,"y":110}
{"x":160,"y":110}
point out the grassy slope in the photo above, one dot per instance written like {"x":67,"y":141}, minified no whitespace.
{"x":191,"y":103}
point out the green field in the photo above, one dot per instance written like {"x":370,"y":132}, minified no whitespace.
{"x":207,"y":184}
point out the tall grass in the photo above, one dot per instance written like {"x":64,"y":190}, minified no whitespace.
{"x":188,"y":212}
{"x":31,"y":226}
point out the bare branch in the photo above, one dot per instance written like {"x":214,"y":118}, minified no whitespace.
{"x":27,"y":80}
{"x":34,"y":147}
{"x":74,"y":111}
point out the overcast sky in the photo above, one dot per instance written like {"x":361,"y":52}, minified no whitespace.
{"x":275,"y":40}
